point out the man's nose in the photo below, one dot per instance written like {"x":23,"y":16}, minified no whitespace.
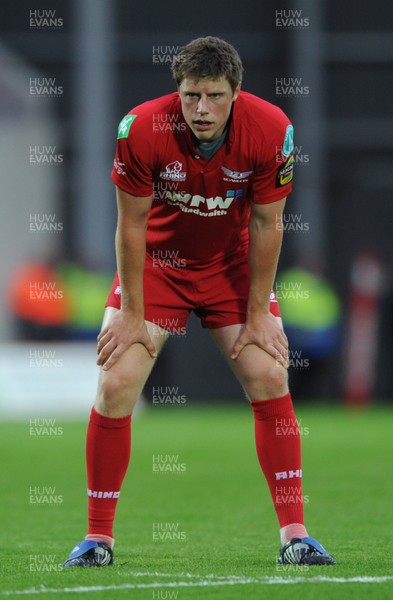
{"x":202,"y":105}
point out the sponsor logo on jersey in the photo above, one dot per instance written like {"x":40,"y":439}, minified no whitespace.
{"x":173,"y":171}
{"x":205,"y":207}
{"x":117,"y":290}
{"x":118,"y":166}
{"x":124,"y":126}
{"x":236,"y":175}
{"x":287,"y":147}
{"x":285,"y":172}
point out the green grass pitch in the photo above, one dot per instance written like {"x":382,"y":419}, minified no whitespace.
{"x":206,"y":527}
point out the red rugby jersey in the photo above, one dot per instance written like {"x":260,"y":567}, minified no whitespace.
{"x":201,"y":207}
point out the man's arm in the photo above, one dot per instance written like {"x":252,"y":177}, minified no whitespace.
{"x":265,"y":237}
{"x":127,"y":326}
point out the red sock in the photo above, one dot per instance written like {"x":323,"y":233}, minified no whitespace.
{"x":108,"y":448}
{"x":278,"y":448}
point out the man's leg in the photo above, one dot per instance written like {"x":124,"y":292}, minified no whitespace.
{"x":109,"y":432}
{"x":277,"y":436}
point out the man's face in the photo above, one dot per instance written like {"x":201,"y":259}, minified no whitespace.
{"x":206,"y":105}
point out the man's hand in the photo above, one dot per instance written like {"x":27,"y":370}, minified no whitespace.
{"x":266,"y":333}
{"x":122,"y":331}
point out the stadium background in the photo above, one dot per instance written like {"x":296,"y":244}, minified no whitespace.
{"x":100,"y":59}
{"x":97,"y":61}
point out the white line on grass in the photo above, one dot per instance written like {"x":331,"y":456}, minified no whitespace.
{"x":204,"y":581}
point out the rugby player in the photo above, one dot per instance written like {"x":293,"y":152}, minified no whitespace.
{"x":210,"y":189}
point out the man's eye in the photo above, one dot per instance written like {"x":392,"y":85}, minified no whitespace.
{"x":190,"y":95}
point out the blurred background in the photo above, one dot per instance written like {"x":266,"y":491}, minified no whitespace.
{"x":71,"y":69}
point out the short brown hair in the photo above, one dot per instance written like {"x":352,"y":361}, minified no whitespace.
{"x":209,"y":57}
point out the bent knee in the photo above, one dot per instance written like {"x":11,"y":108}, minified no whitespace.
{"x":269,"y":382}
{"x":113,"y":385}
{"x":117,"y":393}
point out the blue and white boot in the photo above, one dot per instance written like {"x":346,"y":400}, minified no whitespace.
{"x":90,"y":554}
{"x":304,"y":551}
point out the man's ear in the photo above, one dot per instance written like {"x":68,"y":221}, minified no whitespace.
{"x":237,"y":90}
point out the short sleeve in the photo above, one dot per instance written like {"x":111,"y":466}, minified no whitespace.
{"x":273,"y":177}
{"x":132,"y":170}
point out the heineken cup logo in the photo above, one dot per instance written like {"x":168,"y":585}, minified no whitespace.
{"x":124,"y":127}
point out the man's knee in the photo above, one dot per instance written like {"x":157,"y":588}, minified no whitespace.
{"x":112,"y":386}
{"x":117,"y":393}
{"x":271,"y":381}
{"x":277,"y":379}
